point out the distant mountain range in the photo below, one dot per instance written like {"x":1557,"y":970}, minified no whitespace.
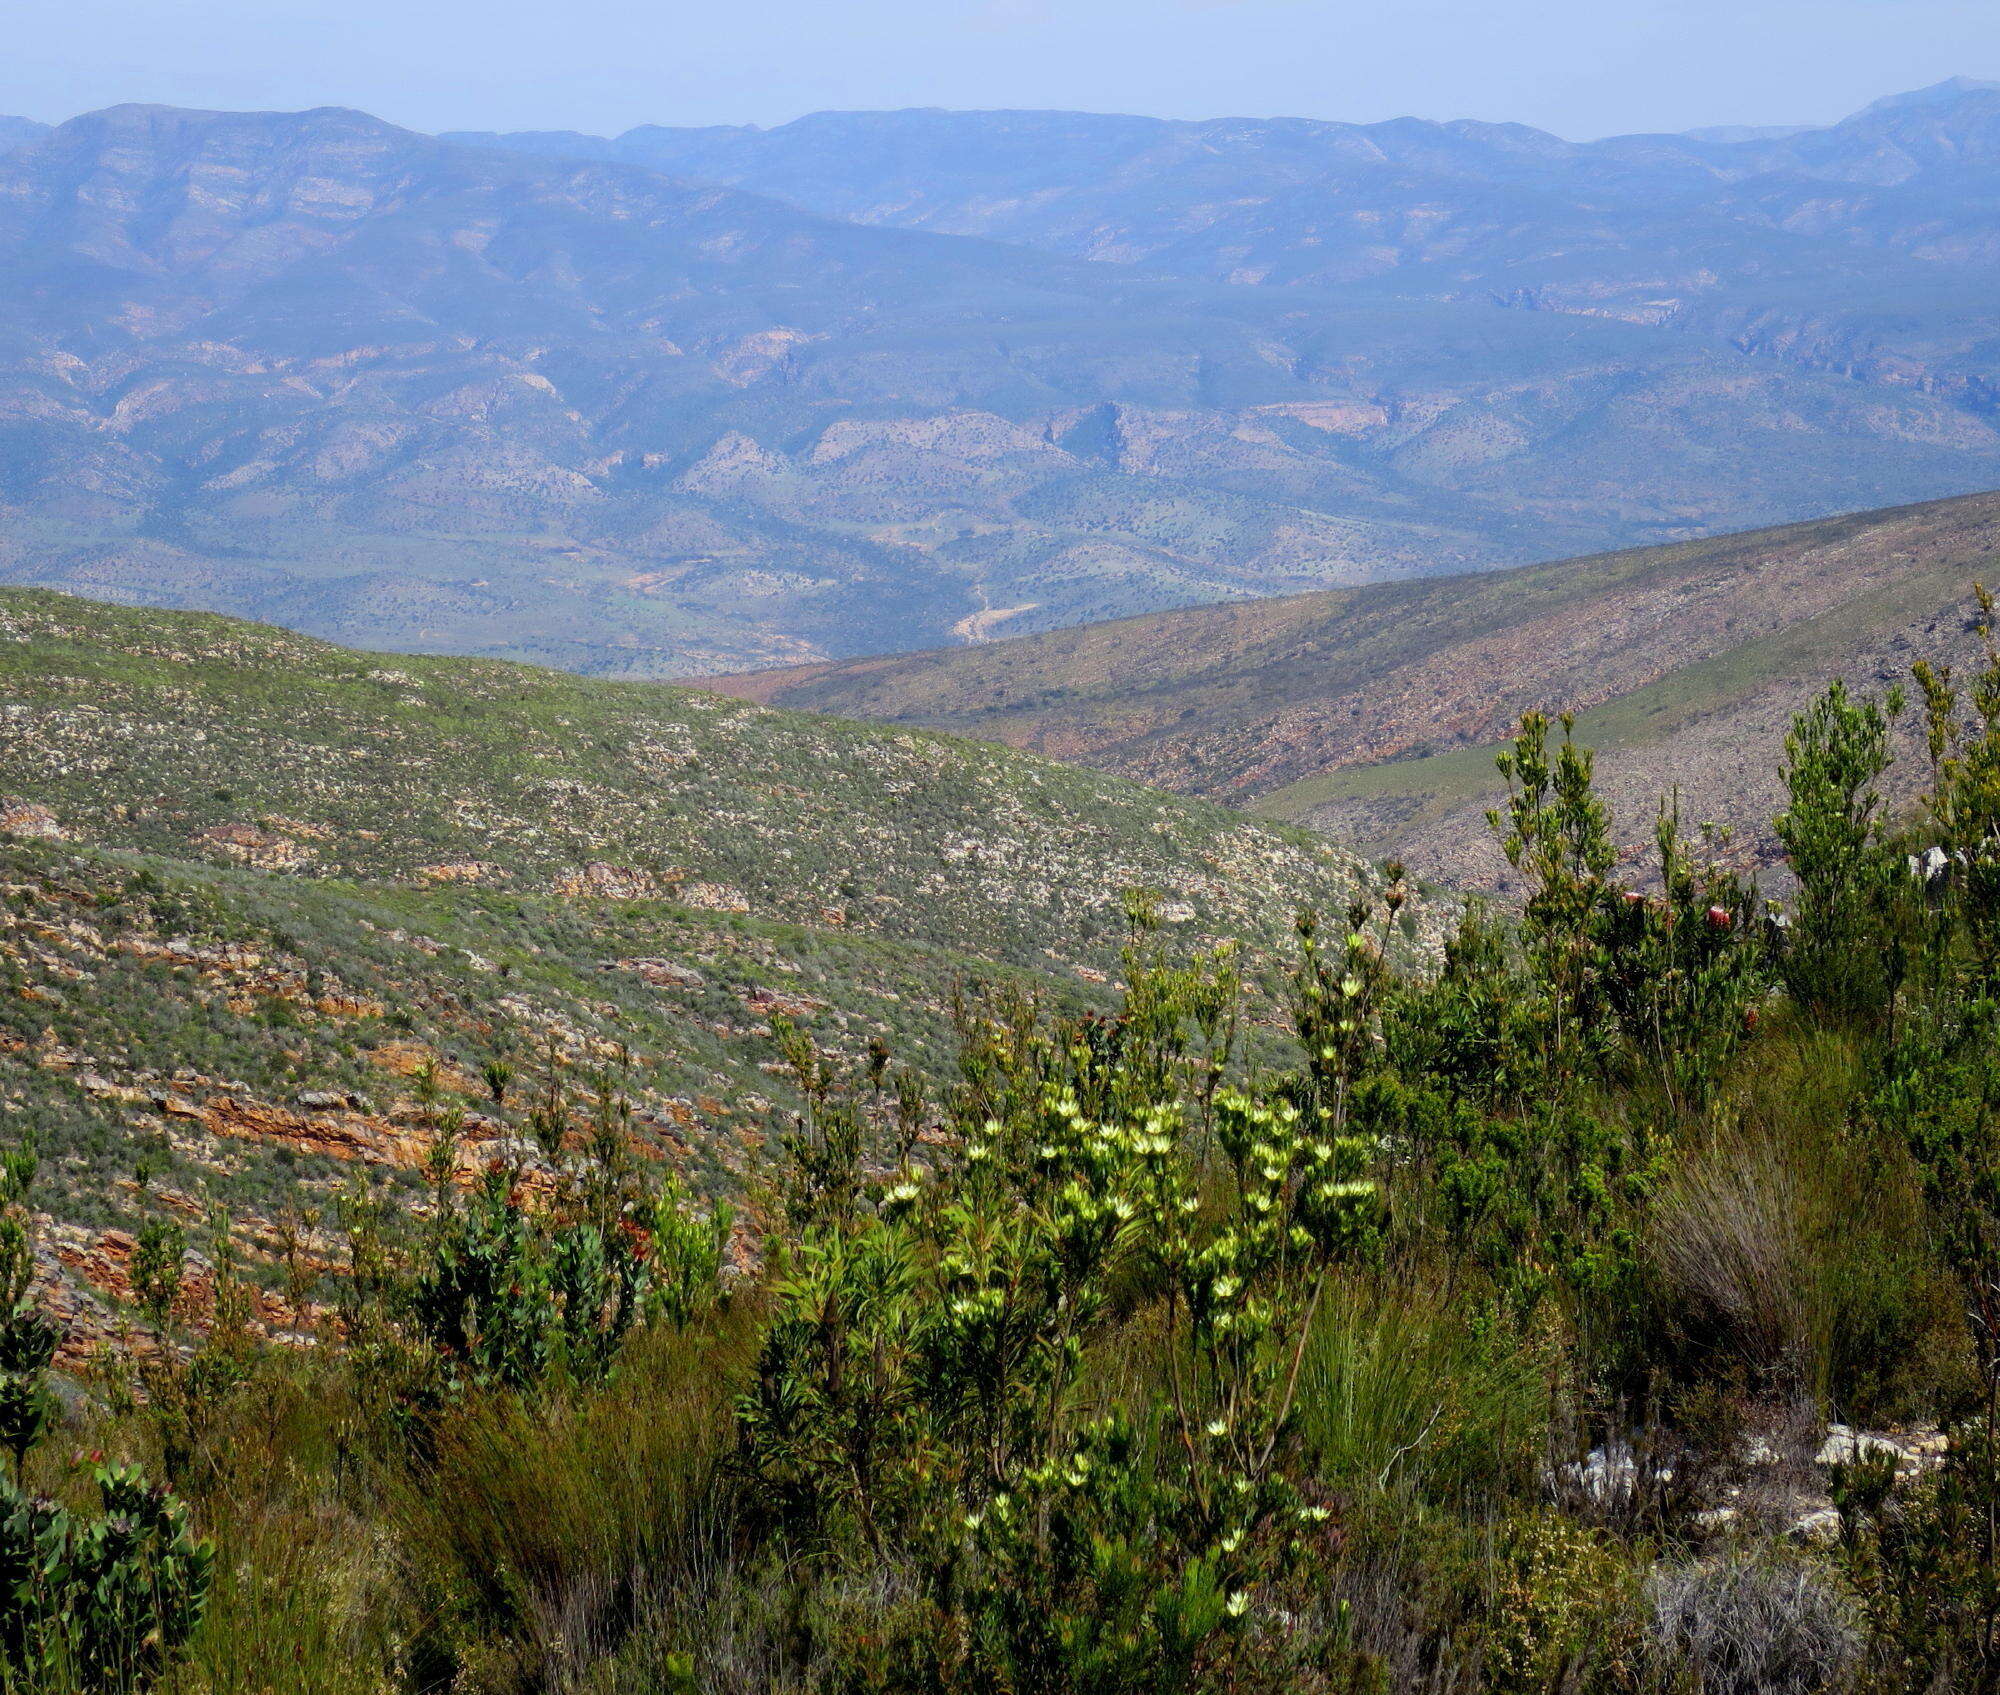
{"x":698,"y":400}
{"x":1374,"y":713}
{"x":1443,"y":208}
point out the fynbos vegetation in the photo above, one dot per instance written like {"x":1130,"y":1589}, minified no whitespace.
{"x":1611,"y":1308}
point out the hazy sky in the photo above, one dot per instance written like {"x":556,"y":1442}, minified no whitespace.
{"x":1579,"y":67}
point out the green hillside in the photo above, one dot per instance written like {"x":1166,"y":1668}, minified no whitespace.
{"x":254,"y":883}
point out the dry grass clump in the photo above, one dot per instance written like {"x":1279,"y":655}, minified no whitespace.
{"x":1750,"y":1626}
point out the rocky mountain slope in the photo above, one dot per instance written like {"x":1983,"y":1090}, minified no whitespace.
{"x":253,"y":887}
{"x":321,"y":370}
{"x":1374,"y":713}
{"x":20,"y":132}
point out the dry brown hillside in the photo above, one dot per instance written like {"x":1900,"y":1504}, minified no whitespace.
{"x":1373,"y":712}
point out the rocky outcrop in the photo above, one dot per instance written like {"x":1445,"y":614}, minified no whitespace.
{"x":662,"y":973}
{"x":29,"y":821}
{"x":461,"y":871}
{"x":249,"y":845}
{"x":1778,"y":1484}
{"x":770,"y":1001}
{"x":601,"y":880}
{"x":714,"y":897}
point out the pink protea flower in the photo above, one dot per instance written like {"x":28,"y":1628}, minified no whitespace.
{"x":1718,"y":918}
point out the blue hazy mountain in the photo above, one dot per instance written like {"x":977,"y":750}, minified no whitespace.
{"x":719,"y":398}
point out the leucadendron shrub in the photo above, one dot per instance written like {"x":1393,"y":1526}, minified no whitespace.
{"x":926,"y":1403}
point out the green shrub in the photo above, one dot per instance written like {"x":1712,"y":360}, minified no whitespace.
{"x":1843,"y":955}
{"x":97,"y":1602}
{"x":919,"y":1399}
{"x":1564,"y":1610}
